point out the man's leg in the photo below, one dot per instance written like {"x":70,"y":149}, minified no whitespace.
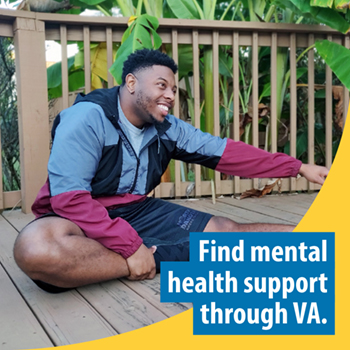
{"x":56,"y":251}
{"x":221,"y":224}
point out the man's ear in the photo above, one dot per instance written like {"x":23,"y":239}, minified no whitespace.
{"x":130,"y":81}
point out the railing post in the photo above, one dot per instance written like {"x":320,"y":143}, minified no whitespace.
{"x":33,"y":123}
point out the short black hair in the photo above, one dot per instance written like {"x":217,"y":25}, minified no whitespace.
{"x":146,"y":58}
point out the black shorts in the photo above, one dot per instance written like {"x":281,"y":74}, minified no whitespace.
{"x":160,"y":223}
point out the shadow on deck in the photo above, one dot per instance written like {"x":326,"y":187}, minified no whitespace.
{"x":31,"y":318}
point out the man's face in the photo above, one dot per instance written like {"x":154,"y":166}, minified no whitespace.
{"x":154,"y":94}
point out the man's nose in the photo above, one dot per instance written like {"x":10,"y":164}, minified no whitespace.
{"x":169,"y":94}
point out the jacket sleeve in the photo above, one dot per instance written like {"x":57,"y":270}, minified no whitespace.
{"x":228,"y":156}
{"x":76,"y":151}
{"x":244,"y":160}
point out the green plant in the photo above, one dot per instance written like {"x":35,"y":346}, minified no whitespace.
{"x":9,"y":117}
{"x":335,"y":14}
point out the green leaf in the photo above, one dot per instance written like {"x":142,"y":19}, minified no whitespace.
{"x":301,"y":71}
{"x":347,"y":16}
{"x":337,"y":57}
{"x":73,"y":11}
{"x":152,"y":20}
{"x":86,"y":2}
{"x":124,"y":51}
{"x":157,"y":40}
{"x":322,"y":3}
{"x":154,"y":7}
{"x":54,"y":73}
{"x":288,"y":4}
{"x":320,"y":134}
{"x":104,"y":6}
{"x":225,"y":64}
{"x":208,"y":9}
{"x":303,"y":6}
{"x":79,"y":59}
{"x":320,"y":94}
{"x":139,"y":36}
{"x":55,"y":92}
{"x":184,"y":9}
{"x":302,"y":143}
{"x":323,"y":15}
{"x":331,"y":18}
{"x":127,"y":32}
{"x":76,"y":80}
{"x":185,"y":55}
{"x":259,"y":7}
{"x":126,"y":7}
{"x":267,"y":87}
{"x":266,"y":91}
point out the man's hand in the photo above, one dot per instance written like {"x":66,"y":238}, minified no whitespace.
{"x":314,"y":173}
{"x":141,"y":264}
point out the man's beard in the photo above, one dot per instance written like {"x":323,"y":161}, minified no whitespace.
{"x":142,"y":102}
{"x":154,"y":120}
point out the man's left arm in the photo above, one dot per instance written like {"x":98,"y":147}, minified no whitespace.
{"x":241,"y":159}
{"x":238,"y":158}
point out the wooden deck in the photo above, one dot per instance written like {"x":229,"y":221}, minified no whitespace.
{"x":31,"y":318}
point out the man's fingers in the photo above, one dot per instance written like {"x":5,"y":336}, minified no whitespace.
{"x":152,"y":274}
{"x":153,"y":249}
{"x":138,"y":277}
{"x":148,"y":276}
{"x":320,"y":180}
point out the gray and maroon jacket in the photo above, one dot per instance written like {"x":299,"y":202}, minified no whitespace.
{"x":93,"y":166}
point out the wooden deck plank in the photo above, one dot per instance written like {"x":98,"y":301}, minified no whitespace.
{"x":19,"y":329}
{"x":124,"y":309}
{"x":256,"y":206}
{"x":105,"y":309}
{"x":65,"y":318}
{"x":150,"y":290}
{"x":209,"y":208}
{"x":17,"y":219}
{"x":281,"y":202}
{"x":303,"y":200}
{"x":154,"y":311}
{"x":242,"y":214}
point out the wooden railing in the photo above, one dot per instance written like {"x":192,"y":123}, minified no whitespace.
{"x":31,"y":30}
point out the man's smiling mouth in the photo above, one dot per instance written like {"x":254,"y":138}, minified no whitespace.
{"x":164,"y":109}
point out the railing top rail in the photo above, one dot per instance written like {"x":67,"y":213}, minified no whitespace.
{"x":171,"y":23}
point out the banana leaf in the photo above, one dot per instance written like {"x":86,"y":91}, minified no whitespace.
{"x":138,"y":36}
{"x":337,"y":57}
{"x":184,"y":9}
{"x":329,"y":16}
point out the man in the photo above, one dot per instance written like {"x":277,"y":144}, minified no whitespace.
{"x":109,"y":150}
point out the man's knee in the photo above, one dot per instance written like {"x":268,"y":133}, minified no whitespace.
{"x":221,"y":224}
{"x":29,"y":251}
{"x":37,"y":247}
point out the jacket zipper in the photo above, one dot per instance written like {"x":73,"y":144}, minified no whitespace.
{"x":136,"y":174}
{"x":137,"y":159}
{"x":115,"y":123}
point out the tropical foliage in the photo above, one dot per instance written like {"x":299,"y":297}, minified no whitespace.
{"x":8,"y":117}
{"x":336,"y":14}
{"x":142,"y":32}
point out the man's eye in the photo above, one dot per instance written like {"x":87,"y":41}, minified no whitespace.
{"x":161,"y":84}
